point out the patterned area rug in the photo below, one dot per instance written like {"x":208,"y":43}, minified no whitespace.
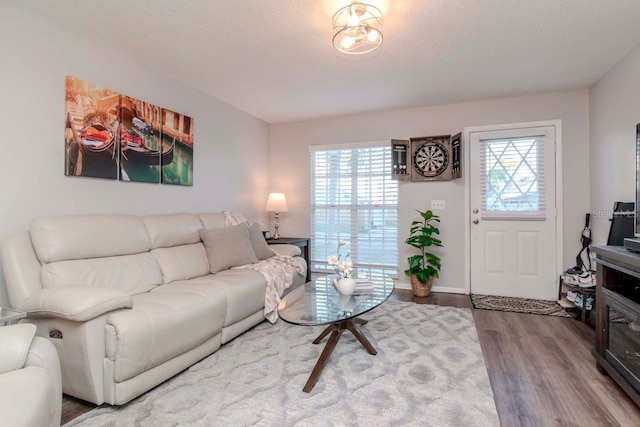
{"x":518,"y":305}
{"x":429,"y":371}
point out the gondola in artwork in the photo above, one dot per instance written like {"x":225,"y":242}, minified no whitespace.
{"x":141,"y":152}
{"x":109,"y":135}
{"x":91,"y":130}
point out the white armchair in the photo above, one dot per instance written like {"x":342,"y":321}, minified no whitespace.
{"x":30,"y":385}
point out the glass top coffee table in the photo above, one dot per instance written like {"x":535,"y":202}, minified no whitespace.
{"x":319,"y":303}
{"x":9,"y":316}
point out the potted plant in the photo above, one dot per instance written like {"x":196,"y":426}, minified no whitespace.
{"x":424,"y":266}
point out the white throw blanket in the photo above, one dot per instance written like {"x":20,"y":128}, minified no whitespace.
{"x":277,"y":272}
{"x":232,"y":218}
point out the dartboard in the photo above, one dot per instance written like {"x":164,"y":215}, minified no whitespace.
{"x":430,"y":159}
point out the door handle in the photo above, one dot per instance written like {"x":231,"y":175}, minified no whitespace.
{"x":475,"y":221}
{"x":475,"y":211}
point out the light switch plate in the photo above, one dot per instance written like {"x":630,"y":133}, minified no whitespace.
{"x":437,"y":204}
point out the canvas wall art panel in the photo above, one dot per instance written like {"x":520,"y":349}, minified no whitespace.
{"x":115,"y":136}
{"x":140,"y":141}
{"x":91,"y":130}
{"x":177,"y":138}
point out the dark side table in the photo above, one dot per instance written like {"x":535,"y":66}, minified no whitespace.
{"x":302,"y":242}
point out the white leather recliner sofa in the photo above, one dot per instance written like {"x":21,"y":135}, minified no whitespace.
{"x":30,"y":388}
{"x":128,"y":301}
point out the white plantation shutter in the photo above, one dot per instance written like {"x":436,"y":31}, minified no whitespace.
{"x":513,"y":179}
{"x":353,"y":198}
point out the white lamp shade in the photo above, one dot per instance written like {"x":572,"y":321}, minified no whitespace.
{"x":276,"y":203}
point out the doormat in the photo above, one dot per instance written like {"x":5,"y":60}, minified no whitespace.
{"x":518,"y":305}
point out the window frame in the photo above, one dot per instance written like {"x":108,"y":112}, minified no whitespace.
{"x":385,"y":212}
{"x":539,"y":214}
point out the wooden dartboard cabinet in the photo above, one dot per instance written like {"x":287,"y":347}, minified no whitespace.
{"x":427,"y":158}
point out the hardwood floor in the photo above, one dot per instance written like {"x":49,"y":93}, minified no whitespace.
{"x":73,"y":408}
{"x":540,"y":367}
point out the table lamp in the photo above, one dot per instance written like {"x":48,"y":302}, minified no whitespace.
{"x":276,"y":203}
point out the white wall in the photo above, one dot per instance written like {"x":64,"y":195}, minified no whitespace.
{"x":36,"y":55}
{"x":290,"y":164}
{"x":614,"y":113}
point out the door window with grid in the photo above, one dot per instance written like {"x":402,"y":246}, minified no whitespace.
{"x":354,"y":199}
{"x":513,"y":181}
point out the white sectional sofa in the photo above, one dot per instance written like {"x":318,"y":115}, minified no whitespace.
{"x":129,"y":301}
{"x":30,"y":393}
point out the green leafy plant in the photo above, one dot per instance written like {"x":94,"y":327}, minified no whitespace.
{"x":422,"y":235}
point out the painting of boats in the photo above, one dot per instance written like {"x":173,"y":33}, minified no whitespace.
{"x":177,"y":139}
{"x":91,"y":128}
{"x":114,"y":136}
{"x":140,"y":141}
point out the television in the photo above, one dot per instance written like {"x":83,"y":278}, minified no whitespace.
{"x":633,"y":244}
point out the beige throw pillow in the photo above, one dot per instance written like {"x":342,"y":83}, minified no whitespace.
{"x":228,"y":247}
{"x":260,"y":246}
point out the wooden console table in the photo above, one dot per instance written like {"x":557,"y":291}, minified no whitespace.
{"x":302,"y":242}
{"x":617,"y":350}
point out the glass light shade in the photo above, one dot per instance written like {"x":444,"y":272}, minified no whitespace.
{"x":276,"y":203}
{"x":372,"y":36}
{"x":357,"y":29}
{"x":347,"y":42}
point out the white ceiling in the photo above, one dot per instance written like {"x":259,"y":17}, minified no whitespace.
{"x":274,"y":58}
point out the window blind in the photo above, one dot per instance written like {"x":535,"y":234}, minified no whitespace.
{"x":513,"y":184}
{"x":354,"y":199}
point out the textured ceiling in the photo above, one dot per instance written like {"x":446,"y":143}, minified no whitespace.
{"x":274,"y":58}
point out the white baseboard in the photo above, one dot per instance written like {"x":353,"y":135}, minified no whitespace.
{"x":448,"y":290}
{"x":443,"y":289}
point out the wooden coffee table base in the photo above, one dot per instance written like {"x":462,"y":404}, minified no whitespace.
{"x":336,"y":329}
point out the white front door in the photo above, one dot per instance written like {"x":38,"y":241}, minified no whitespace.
{"x":513,"y":212}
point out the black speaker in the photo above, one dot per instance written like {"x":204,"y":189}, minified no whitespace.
{"x":621,"y":223}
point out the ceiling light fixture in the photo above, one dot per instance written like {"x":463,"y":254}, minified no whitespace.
{"x":357,"y":29}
